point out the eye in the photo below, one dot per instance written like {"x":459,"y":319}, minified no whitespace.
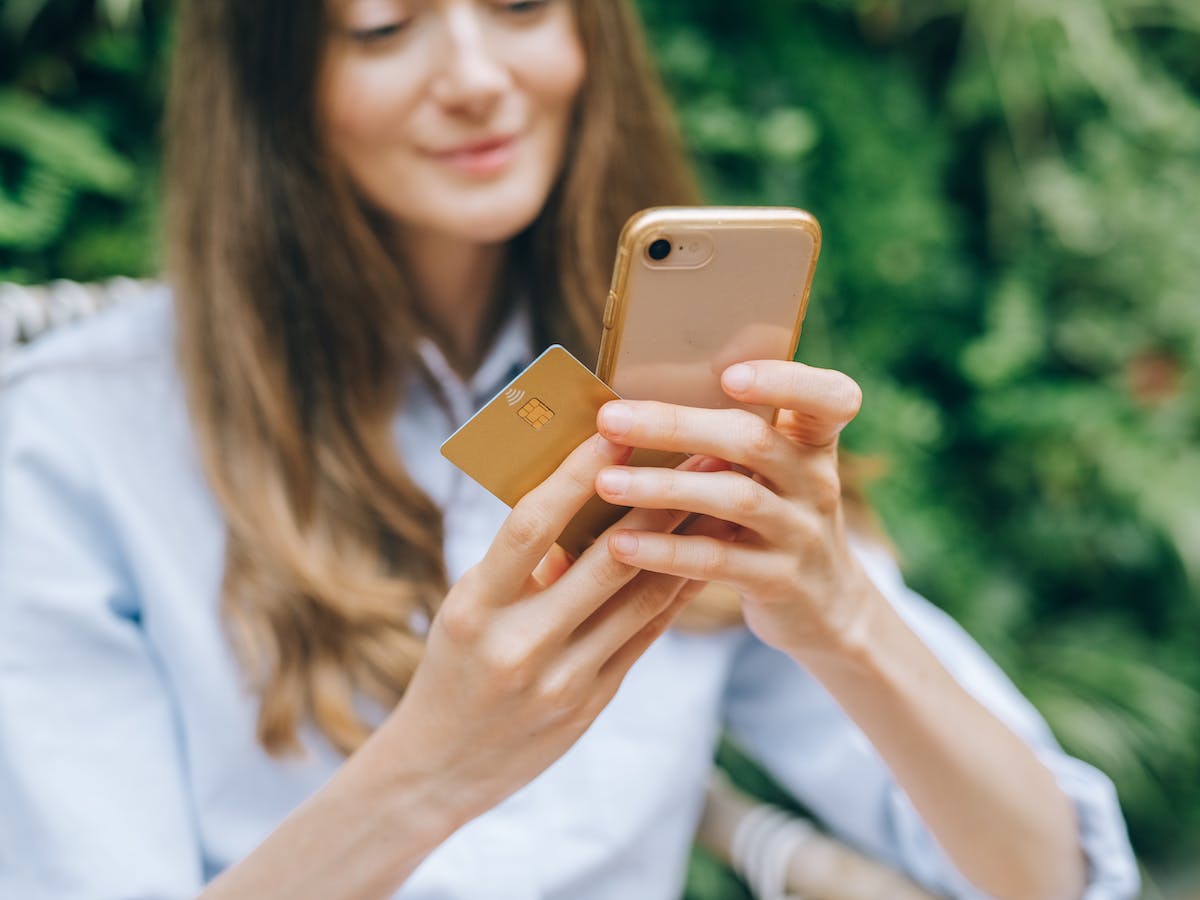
{"x":524,"y":7}
{"x":377,"y":33}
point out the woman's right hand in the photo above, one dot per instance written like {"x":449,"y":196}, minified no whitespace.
{"x":527,"y":649}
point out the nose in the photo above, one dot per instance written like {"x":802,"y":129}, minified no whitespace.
{"x":471,"y":78}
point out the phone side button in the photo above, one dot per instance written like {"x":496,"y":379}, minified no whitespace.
{"x":610,"y":310}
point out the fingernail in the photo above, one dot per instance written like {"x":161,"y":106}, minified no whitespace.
{"x":617,"y":418}
{"x":623,"y":544}
{"x":613,"y":481}
{"x":712,"y":464}
{"x":739,"y":378}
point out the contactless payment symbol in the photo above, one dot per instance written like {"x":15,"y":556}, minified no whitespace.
{"x":536,"y":413}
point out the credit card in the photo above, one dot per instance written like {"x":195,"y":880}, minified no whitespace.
{"x":524,"y":433}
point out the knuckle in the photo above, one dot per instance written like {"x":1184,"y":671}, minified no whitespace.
{"x":609,"y":572}
{"x":649,"y":602}
{"x":760,"y":436}
{"x":825,"y":489}
{"x":669,"y":487}
{"x":561,"y":691}
{"x":746,"y":497}
{"x":797,"y":379}
{"x":672,"y":425}
{"x":527,"y":527}
{"x":581,"y":473}
{"x":713,"y":559}
{"x":671,"y":555}
{"x":461,"y":621}
{"x":508,"y":667}
{"x":795,"y":522}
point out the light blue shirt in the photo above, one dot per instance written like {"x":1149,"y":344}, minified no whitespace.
{"x":128,"y":762}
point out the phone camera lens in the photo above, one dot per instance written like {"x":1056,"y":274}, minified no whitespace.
{"x":659,"y":249}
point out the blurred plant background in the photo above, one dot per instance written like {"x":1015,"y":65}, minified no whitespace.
{"x":1009,"y":191}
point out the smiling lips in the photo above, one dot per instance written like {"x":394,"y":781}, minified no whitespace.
{"x":481,"y":158}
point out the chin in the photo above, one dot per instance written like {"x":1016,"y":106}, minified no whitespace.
{"x":492,"y":222}
{"x":492,"y":230}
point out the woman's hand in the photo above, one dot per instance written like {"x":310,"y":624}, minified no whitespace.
{"x":528,"y":647}
{"x":774,"y":528}
{"x":525,"y":651}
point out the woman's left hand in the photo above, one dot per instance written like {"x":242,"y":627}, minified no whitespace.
{"x":772,"y":524}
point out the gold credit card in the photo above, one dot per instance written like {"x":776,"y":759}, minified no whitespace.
{"x":523,"y":433}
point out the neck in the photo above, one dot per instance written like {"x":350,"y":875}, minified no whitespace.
{"x":457,"y":286}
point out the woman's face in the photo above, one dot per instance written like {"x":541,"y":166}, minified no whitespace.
{"x":451,"y":116}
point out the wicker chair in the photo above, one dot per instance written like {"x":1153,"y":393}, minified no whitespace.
{"x":781,"y":856}
{"x":28,"y":311}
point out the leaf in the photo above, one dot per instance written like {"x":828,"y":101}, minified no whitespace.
{"x":63,"y":144}
{"x":119,"y":13}
{"x":35,"y":216}
{"x":18,"y":16}
{"x":787,"y":133}
{"x":1014,"y":341}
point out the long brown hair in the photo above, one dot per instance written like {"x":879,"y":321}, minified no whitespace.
{"x":296,"y":329}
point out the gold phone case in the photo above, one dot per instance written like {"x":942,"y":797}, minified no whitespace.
{"x":737,"y":290}
{"x":523,"y":433}
{"x":740,"y":293}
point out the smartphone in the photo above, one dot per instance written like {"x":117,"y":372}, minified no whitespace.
{"x":697,"y":289}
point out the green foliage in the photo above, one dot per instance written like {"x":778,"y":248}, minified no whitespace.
{"x":63,"y":156}
{"x":79,"y":110}
{"x":710,"y":879}
{"x":1011,"y":268}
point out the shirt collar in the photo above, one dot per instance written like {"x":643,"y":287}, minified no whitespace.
{"x":510,"y":352}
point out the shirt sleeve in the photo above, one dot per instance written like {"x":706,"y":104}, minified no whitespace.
{"x":786,"y":720}
{"x":92,"y":797}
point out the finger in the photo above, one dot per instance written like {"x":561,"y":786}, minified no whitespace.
{"x":734,"y":435}
{"x":823,"y":401}
{"x":596,"y":576}
{"x":701,"y":463}
{"x":700,"y":558}
{"x":599,"y":575}
{"x":623,"y":615}
{"x":615,"y":667}
{"x":726,"y":495}
{"x":540,"y":516}
{"x":589,"y":581}
{"x":711,"y":527}
{"x":551,"y":567}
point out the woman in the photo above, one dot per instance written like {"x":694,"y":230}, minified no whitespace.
{"x":256,"y":628}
